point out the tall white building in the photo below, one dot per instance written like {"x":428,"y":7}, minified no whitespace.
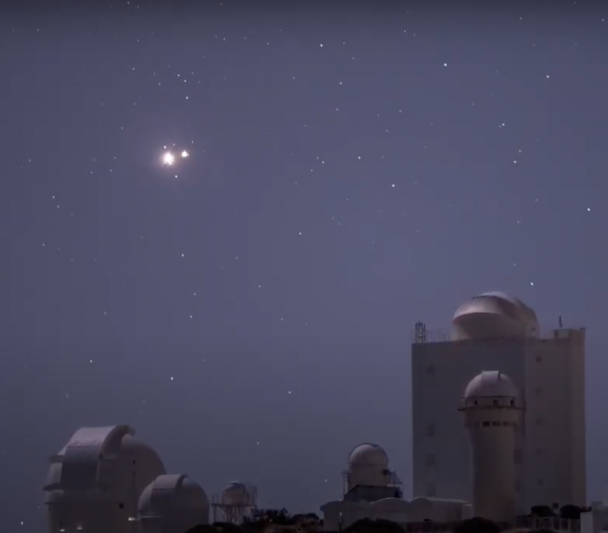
{"x":497,"y":331}
{"x":492,"y":411}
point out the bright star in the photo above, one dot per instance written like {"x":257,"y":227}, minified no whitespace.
{"x":168,"y":158}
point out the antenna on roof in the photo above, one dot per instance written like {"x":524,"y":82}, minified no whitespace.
{"x":419,"y":332}
{"x":560,"y":321}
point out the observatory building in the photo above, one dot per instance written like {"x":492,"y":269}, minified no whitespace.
{"x":236,"y":503}
{"x":373,"y":491}
{"x":172,"y":504}
{"x":497,"y":331}
{"x":491,"y":405}
{"x":370,"y":490}
{"x":104,"y":479}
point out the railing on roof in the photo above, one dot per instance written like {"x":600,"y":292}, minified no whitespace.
{"x":421,"y":334}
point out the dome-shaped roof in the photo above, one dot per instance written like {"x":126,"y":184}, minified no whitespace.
{"x":368,"y":454}
{"x":493,"y":315}
{"x":175,"y":501}
{"x":172,"y":491}
{"x":98,"y":467}
{"x":236,"y":493}
{"x":491,"y":383}
{"x":77,"y":466}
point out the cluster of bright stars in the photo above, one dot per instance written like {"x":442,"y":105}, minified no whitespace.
{"x":169,"y":157}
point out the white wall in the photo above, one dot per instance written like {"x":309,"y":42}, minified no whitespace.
{"x":553,"y":388}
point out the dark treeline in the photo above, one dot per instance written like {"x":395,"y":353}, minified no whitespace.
{"x":541,"y":519}
{"x":280,"y":521}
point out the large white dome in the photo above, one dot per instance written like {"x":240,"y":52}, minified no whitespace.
{"x":93,"y":483}
{"x":494,"y":315}
{"x":491,"y":384}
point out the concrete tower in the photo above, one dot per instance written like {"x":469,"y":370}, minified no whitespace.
{"x":491,"y":405}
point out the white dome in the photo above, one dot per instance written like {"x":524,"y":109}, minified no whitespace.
{"x":95,"y":480}
{"x":491,"y":383}
{"x":237,"y":493}
{"x":368,"y":454}
{"x":494,"y":315}
{"x":175,"y":502}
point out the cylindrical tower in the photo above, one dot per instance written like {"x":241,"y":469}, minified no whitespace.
{"x":492,"y":406}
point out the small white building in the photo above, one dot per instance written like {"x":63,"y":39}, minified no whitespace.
{"x":373,"y":491}
{"x":95,"y":481}
{"x":236,"y":503}
{"x":172,"y":503}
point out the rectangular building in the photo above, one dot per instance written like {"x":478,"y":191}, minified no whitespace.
{"x":550,"y":446}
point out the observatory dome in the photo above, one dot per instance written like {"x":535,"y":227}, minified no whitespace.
{"x":97,"y":468}
{"x":368,"y":454}
{"x":494,"y":315}
{"x":172,"y":502}
{"x":237,"y":494}
{"x":491,"y":383}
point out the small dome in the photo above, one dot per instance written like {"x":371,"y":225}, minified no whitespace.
{"x":172,"y":494}
{"x":491,"y":383}
{"x":494,"y":315}
{"x":368,"y":454}
{"x":236,"y":493}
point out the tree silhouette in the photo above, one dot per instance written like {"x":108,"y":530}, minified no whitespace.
{"x":571,"y":512}
{"x":226,"y":527}
{"x":202,"y":529}
{"x":366,"y":525}
{"x":261,"y":519}
{"x":477,"y":525}
{"x":542,"y":511}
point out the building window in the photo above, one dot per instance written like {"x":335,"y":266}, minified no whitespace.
{"x":541,"y":482}
{"x":430,"y":459}
{"x":539,"y":451}
{"x":431,"y":490}
{"x":539,"y":421}
{"x":430,"y":430}
{"x":495,"y":403}
{"x":539,"y":390}
{"x":430,"y":369}
{"x":517,"y":457}
{"x":539,"y":359}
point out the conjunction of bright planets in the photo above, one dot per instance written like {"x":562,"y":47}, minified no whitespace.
{"x":169,"y":158}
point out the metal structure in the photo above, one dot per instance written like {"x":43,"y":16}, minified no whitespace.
{"x":392,"y":481}
{"x":236,"y":503}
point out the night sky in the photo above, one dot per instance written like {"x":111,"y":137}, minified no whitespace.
{"x":352,"y":168}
